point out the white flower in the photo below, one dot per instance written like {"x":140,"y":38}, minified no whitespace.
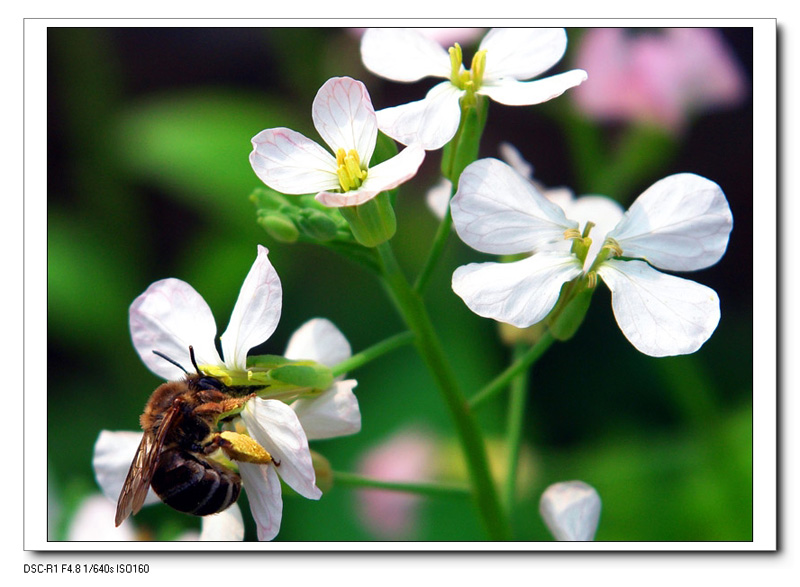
{"x":680,"y":223}
{"x":571,"y":510}
{"x":290,"y":163}
{"x":168,"y":317}
{"x":505,"y":57}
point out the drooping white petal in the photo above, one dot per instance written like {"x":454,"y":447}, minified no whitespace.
{"x":256,"y":313}
{"x":571,"y":510}
{"x":517,"y":93}
{"x":169,"y":317}
{"x":318,"y":340}
{"x":496,"y":210}
{"x":661,"y":315}
{"x":225,"y":526}
{"x":680,"y":223}
{"x":522,"y":53}
{"x":430,"y":122}
{"x":344,"y":117}
{"x":384,"y":176}
{"x":333,"y":413}
{"x":403,"y":55}
{"x":290,"y":163}
{"x":111,"y":461}
{"x":521,"y":293}
{"x":275,"y":426}
{"x":94,"y":522}
{"x":263,"y":490}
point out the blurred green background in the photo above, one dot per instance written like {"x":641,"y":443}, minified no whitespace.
{"x":148,"y":177}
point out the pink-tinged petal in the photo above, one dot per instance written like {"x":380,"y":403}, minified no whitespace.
{"x":112,"y":458}
{"x":521,"y":293}
{"x":318,"y":340}
{"x":680,"y":223}
{"x":275,"y":426}
{"x":516,"y":93}
{"x":661,"y":315}
{"x":522,"y":53}
{"x":263,"y":490}
{"x":403,"y":55}
{"x":333,"y":413}
{"x":496,"y":210}
{"x":290,"y":163}
{"x":384,"y":176}
{"x":169,"y":317}
{"x":225,"y":526}
{"x":571,"y":510}
{"x":430,"y":123}
{"x":344,"y":117}
{"x":256,"y":313}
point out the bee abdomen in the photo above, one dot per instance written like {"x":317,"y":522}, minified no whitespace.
{"x":194,"y":485}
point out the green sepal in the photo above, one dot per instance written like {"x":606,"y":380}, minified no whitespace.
{"x":564,"y":322}
{"x":465,"y":146}
{"x":372,"y":222}
{"x":311,"y":376}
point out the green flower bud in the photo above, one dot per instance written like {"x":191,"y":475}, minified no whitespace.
{"x":316,"y":224}
{"x":279,"y":227}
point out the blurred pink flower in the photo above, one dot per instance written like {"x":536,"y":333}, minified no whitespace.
{"x":406,"y":457}
{"x":659,"y":77}
{"x":444,"y":36}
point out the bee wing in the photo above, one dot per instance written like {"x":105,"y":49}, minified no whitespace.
{"x":137,"y":483}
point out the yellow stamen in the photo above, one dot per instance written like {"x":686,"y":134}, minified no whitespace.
{"x":351,"y":174}
{"x":240,"y":447}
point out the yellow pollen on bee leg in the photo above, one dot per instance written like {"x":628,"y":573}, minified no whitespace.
{"x":240,"y":447}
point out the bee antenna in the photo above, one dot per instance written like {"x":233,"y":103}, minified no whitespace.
{"x":174,"y":362}
{"x":194,"y":362}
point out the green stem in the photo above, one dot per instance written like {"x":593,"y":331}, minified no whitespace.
{"x":373,"y":352}
{"x":503,"y":380}
{"x":412,"y":310}
{"x":439,"y":241}
{"x":516,"y":416}
{"x":427,"y":489}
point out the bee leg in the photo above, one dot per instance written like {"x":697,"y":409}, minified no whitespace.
{"x":240,"y":447}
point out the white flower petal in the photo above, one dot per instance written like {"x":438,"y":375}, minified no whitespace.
{"x":318,"y":340}
{"x":661,"y":315}
{"x":256,"y":313}
{"x":290,"y":163}
{"x":384,"y":176}
{"x":333,"y":413}
{"x":94,"y":522}
{"x":438,"y":197}
{"x":571,"y":510}
{"x":680,"y":223}
{"x":169,"y":317}
{"x":496,"y":210}
{"x":516,"y":93}
{"x":225,"y":526}
{"x":263,"y":490}
{"x":521,"y":293}
{"x":431,"y":122}
{"x":112,"y":458}
{"x":344,"y":117}
{"x":511,"y":155}
{"x":275,"y":426}
{"x":522,"y":53}
{"x":403,"y":55}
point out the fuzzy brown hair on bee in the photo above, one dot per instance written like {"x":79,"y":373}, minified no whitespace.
{"x":180,"y":432}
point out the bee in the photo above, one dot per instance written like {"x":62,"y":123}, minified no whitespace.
{"x":180,"y":433}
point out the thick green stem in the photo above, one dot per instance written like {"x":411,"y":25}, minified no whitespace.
{"x":426,"y":489}
{"x":373,"y":352}
{"x":503,"y":380}
{"x":412,"y":310}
